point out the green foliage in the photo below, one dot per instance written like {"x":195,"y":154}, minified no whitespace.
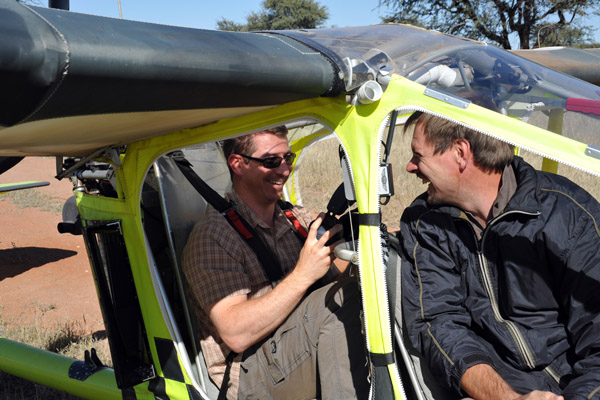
{"x":225,"y":24}
{"x":561,"y":35}
{"x":588,"y":46}
{"x":280,"y":15}
{"x":558,"y":22}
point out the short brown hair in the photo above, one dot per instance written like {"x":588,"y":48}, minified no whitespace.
{"x":490,"y":154}
{"x":245,"y":144}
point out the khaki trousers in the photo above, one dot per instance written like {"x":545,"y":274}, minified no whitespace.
{"x":318,"y":352}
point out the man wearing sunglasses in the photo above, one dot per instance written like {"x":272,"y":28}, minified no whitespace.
{"x":273,"y":339}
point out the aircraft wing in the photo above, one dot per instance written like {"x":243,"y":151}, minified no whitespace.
{"x":9,"y":187}
{"x":580,"y":63}
{"x":73,"y":83}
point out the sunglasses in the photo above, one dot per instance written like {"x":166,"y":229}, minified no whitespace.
{"x":273,"y":162}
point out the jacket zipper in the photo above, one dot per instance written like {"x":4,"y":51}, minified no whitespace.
{"x":514,"y":331}
{"x":524,"y":349}
{"x":517,"y":335}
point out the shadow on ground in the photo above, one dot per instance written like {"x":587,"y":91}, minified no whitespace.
{"x":18,"y":260}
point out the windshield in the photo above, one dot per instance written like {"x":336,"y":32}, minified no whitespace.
{"x":481,"y":73}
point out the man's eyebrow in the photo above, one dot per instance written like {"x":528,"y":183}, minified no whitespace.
{"x":271,"y":155}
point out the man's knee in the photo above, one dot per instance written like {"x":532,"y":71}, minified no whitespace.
{"x":343,"y":293}
{"x":340,"y":298}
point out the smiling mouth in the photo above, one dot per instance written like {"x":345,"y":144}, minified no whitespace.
{"x":276,"y":182}
{"x":423,"y":179}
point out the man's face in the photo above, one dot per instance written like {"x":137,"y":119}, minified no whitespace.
{"x":439,"y":170}
{"x":263,"y":184}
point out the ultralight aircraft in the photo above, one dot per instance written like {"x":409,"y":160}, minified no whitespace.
{"x":120,"y":103}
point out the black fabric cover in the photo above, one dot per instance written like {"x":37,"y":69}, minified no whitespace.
{"x":56,"y":63}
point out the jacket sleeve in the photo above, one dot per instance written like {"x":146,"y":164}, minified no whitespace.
{"x":433,"y":296}
{"x":580,"y":295}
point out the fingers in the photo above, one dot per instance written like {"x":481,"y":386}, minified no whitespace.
{"x":330,"y":233}
{"x":320,"y":233}
{"x":315,"y":257}
{"x":336,"y":244}
{"x":314,"y":225}
{"x":541,"y":395}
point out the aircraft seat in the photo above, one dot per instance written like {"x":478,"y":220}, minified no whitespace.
{"x":182,"y":206}
{"x":418,"y":381}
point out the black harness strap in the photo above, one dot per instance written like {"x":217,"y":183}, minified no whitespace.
{"x":373,"y":219}
{"x":225,"y":383}
{"x":382,"y":359}
{"x":268,"y":261}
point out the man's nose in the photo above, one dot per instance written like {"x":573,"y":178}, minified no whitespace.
{"x":283,"y":168}
{"x":411,"y":167}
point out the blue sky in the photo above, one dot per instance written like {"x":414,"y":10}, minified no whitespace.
{"x":205,"y":13}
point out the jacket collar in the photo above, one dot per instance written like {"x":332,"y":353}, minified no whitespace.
{"x":526,"y":197}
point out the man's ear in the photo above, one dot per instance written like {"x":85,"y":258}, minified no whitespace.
{"x":463,"y":152}
{"x":236,"y":163}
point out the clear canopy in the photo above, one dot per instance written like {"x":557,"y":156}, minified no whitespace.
{"x":482,"y":73}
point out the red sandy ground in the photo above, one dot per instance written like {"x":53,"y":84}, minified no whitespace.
{"x":43,"y":274}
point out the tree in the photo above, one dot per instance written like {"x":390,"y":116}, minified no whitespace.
{"x":280,"y":15}
{"x":228,"y":25}
{"x":534,"y":22}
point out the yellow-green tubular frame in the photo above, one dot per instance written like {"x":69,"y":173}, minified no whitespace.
{"x":52,"y":370}
{"x":357,"y":128}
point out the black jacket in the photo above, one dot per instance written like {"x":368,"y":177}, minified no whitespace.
{"x":539,"y":259}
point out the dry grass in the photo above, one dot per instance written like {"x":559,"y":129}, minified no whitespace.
{"x":67,"y":338}
{"x":14,"y":388}
{"x":587,"y":181}
{"x":320,"y":175}
{"x":33,"y":198}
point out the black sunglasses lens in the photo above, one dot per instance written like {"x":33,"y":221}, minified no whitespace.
{"x":289,"y":158}
{"x":272,"y":162}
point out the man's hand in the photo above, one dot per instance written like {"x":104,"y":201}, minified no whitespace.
{"x":481,"y":382}
{"x":241,"y":322}
{"x":539,"y":395}
{"x":316,"y":258}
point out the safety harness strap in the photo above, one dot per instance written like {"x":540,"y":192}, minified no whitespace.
{"x":225,"y":383}
{"x":267,"y":260}
{"x":235,"y":220}
{"x":297,"y":228}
